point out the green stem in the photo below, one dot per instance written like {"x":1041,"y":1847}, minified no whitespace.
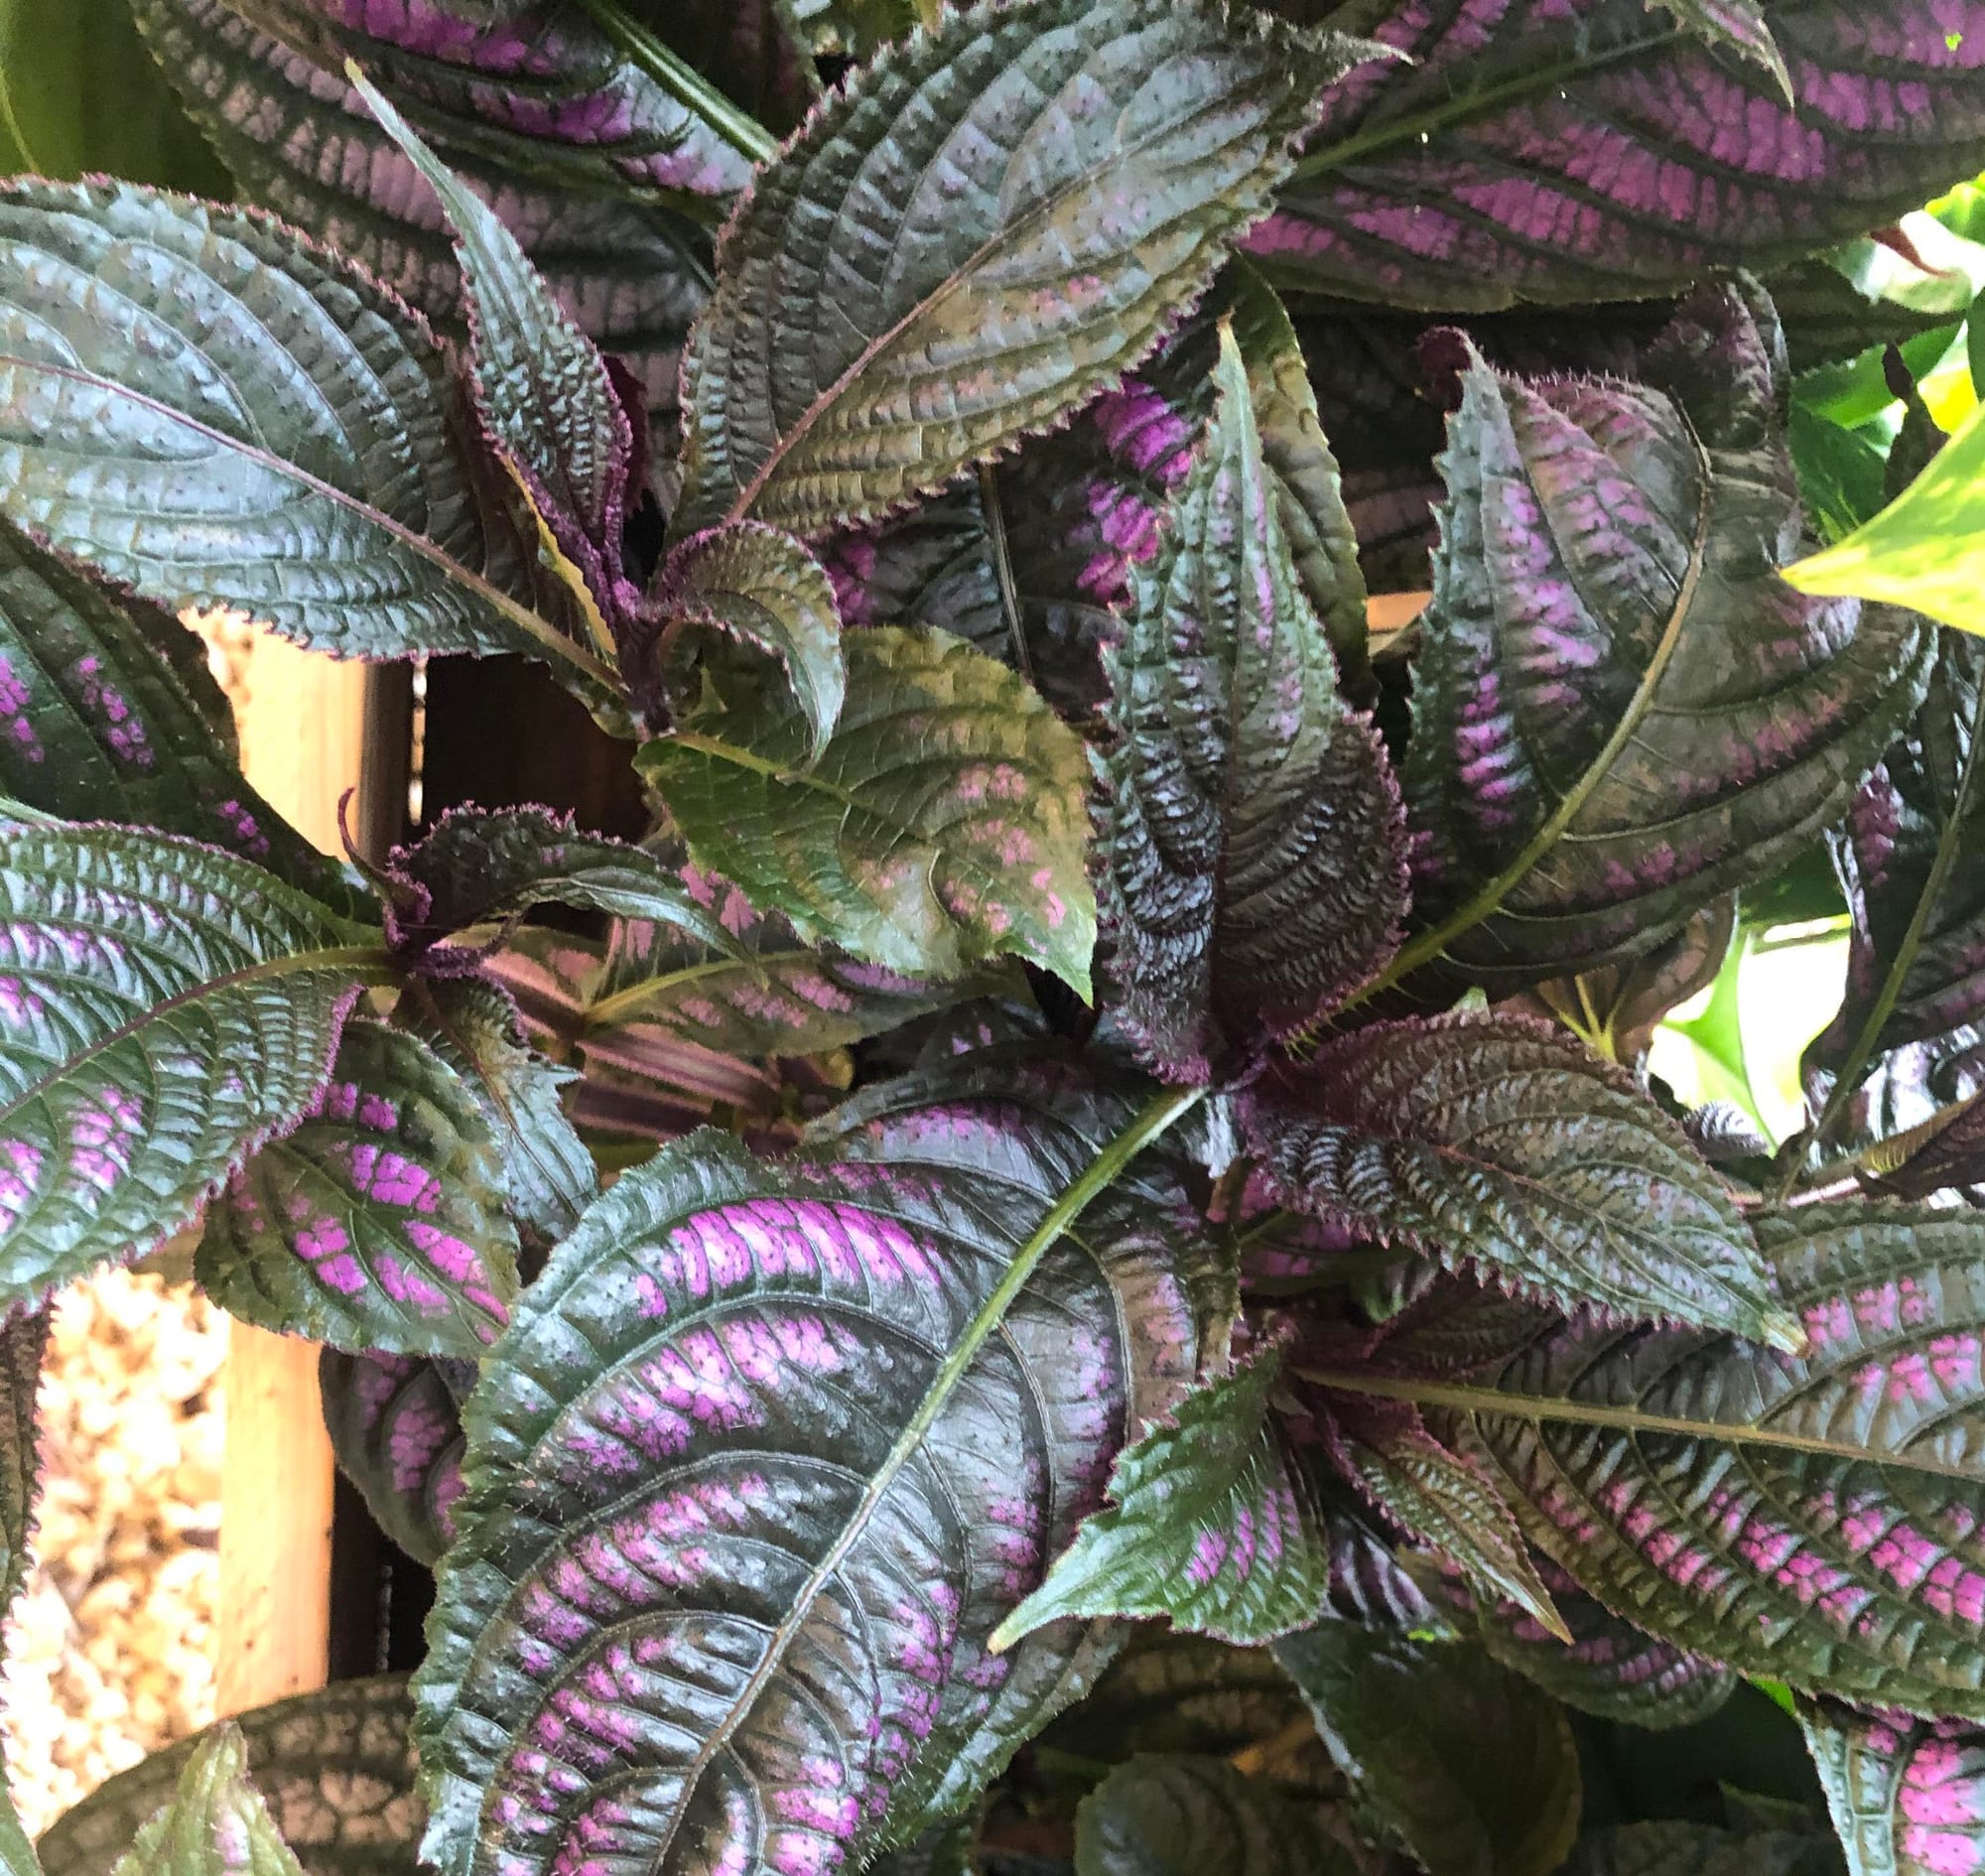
{"x":687,"y":85}
{"x":1893,"y":981}
{"x":1002,"y":565}
{"x":1429,"y":945}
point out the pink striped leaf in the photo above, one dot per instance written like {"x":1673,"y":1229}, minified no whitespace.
{"x":1908,"y":1796}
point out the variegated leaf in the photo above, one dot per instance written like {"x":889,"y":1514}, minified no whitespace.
{"x":1908,"y":1796}
{"x":1211,"y":1523}
{"x":378,"y":1223}
{"x":165,"y":1009}
{"x":942,"y":826}
{"x":1499,"y":1141}
{"x":395,"y":1424}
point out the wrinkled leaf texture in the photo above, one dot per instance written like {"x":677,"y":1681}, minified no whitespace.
{"x":943,"y":825}
{"x":23,"y":1342}
{"x":1601,"y":150}
{"x":1676,"y":1849}
{"x":1058,"y":178}
{"x":570,"y":144}
{"x":1818,"y":1519}
{"x":1252,"y":844}
{"x":165,"y":1009}
{"x":395,"y":1424}
{"x":1503,"y":1143}
{"x":215,"y":1822}
{"x":378,"y":1222}
{"x":226,"y":416}
{"x":1620,"y":711}
{"x":1211,"y":1523}
{"x":336,"y":1767}
{"x":750,"y":1410}
{"x":1908,"y":1796}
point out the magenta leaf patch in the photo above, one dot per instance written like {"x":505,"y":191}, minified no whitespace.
{"x":378,"y":1222}
{"x":1211,"y":1521}
{"x":1602,"y":150}
{"x":165,"y":1009}
{"x":1620,"y":711}
{"x":1252,"y":848}
{"x":1908,"y":1796}
{"x":678,"y":1621}
{"x":335,"y":1768}
{"x":1501,"y":1143}
{"x":395,"y":1424}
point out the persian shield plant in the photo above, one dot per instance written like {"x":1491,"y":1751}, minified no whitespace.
{"x":1079,"y":1257}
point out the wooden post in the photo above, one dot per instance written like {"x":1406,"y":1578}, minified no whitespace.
{"x":302,"y":723}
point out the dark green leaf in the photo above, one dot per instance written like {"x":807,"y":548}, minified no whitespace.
{"x":336,"y":1767}
{"x":1465,"y":1763}
{"x":165,"y":1009}
{"x":1908,"y":1796}
{"x":1211,"y":1521}
{"x":476,"y":865}
{"x":645,"y":1461}
{"x":1818,"y":1519}
{"x":1499,"y":1141}
{"x":1601,"y":150}
{"x":395,"y":1424}
{"x":1115,"y":150}
{"x":1254,"y":847}
{"x":943,"y":825}
{"x":1697,"y":1849}
{"x":378,"y":1223}
{"x":22,"y":1340}
{"x":1181,"y":1816}
{"x":1620,"y":711}
{"x":220,"y":415}
{"x":108,"y":713}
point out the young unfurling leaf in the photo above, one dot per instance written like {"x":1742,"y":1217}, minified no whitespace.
{"x":1211,"y":1521}
{"x":1253,"y":845}
{"x":215,"y":1824}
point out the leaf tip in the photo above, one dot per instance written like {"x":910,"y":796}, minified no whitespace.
{"x":1783,"y":1330}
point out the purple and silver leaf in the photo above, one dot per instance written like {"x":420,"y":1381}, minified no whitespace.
{"x":1908,"y":1796}
{"x":769,"y":1451}
{"x":378,"y":1222}
{"x":1502,"y":1144}
{"x":165,"y":1011}
{"x":1818,"y":1519}
{"x":395,"y":1424}
{"x":1620,"y":711}
{"x":1253,"y":859}
{"x":1568,"y":151}
{"x":1074,"y":174}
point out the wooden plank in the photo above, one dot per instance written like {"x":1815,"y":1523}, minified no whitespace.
{"x":302,"y":723}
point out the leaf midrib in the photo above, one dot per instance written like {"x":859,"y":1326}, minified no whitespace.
{"x":364,"y":964}
{"x":1466,"y":1399}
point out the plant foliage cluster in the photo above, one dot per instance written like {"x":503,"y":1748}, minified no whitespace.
{"x":1079,"y":1258}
